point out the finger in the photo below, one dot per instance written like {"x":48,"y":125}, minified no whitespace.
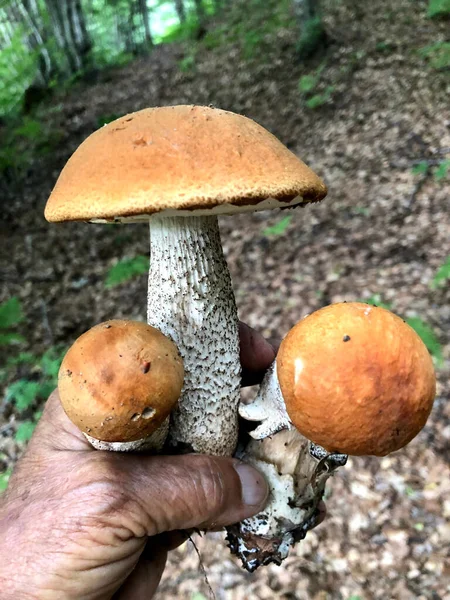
{"x":256,"y":355}
{"x":56,"y":431}
{"x":166,"y":493}
{"x":145,"y":578}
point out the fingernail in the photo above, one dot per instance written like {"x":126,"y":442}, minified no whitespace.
{"x":253,"y":485}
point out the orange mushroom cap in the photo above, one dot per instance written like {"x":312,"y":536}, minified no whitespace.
{"x":356,"y":379}
{"x":120,"y":380}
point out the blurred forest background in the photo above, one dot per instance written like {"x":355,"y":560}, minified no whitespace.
{"x":361,"y":92}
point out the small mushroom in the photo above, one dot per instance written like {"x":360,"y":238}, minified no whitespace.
{"x":180,"y":167}
{"x":118,"y":384}
{"x":348,"y":379}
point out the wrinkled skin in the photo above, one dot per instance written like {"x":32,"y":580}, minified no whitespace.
{"x":82,"y":524}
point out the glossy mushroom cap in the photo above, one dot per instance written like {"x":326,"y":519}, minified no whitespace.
{"x":120,"y":380}
{"x":356,"y":379}
{"x":179,"y":160}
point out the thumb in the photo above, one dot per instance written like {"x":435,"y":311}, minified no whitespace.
{"x":183,"y":492}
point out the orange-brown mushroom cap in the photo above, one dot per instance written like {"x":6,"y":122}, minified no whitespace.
{"x":178,"y":158}
{"x":120,"y":380}
{"x":356,"y":379}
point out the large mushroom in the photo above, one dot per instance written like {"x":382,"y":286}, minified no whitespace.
{"x":179,"y":167}
{"x":348,"y":379}
{"x":118,"y":384}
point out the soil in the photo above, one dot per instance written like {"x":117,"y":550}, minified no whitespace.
{"x":381,"y":230}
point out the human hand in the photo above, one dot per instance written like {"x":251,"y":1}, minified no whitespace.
{"x":76,"y":523}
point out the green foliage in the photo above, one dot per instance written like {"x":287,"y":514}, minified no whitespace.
{"x":126,"y":269}
{"x":198,"y":596}
{"x":4,"y":478}
{"x":308,"y":85}
{"x":443,"y":170}
{"x":25,"y":430}
{"x":17,"y":69}
{"x":442,"y":275}
{"x":105,"y":119}
{"x":181,"y":32}
{"x":23,"y":393}
{"x":187,"y":64}
{"x":375,"y":300}
{"x":311,"y":38}
{"x":438,"y":55}
{"x":279,"y":228}
{"x":320,"y":99}
{"x":10,"y":313}
{"x":26,"y":392}
{"x":10,"y":316}
{"x":438,"y":8}
{"x":420,"y":168}
{"x":428,"y":338}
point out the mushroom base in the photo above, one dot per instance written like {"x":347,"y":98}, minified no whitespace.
{"x":296,"y":471}
{"x":153,"y":442}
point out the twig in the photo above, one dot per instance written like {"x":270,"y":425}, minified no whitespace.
{"x":46,"y":322}
{"x":203,"y":570}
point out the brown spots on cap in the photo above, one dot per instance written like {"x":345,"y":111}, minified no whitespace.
{"x":106,"y":394}
{"x":346,"y":338}
{"x":107,"y":375}
{"x":145,"y":366}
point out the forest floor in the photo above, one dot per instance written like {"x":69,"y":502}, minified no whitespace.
{"x":381,"y":230}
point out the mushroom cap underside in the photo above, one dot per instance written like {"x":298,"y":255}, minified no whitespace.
{"x":120,"y":380}
{"x":356,"y":379}
{"x":181,"y":160}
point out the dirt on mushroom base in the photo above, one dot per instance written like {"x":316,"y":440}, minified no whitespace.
{"x":387,"y":528}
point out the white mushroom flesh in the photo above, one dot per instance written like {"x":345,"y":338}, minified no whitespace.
{"x":296,"y":471}
{"x":191,"y":300}
{"x":154,"y":442}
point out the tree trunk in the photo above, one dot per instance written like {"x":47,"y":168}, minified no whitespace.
{"x":79,"y":31}
{"x":36,"y":34}
{"x":200,"y":10}
{"x":181,"y":11}
{"x":146,"y":20}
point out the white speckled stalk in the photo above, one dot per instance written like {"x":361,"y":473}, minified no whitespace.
{"x":191,"y":300}
{"x":296,"y":471}
{"x":154,"y":442}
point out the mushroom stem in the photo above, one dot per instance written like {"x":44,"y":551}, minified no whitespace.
{"x":154,"y":442}
{"x":296,"y":471}
{"x":191,"y":300}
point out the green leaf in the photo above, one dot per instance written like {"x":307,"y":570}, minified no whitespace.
{"x":375,"y":300}
{"x":23,"y":358}
{"x":126,"y":269}
{"x":7,"y":339}
{"x":51,"y":361}
{"x":279,"y":228}
{"x":4,"y":478}
{"x":438,"y":55}
{"x":428,"y":337}
{"x":420,"y":168}
{"x":10,"y":313}
{"x":25,"y":431}
{"x":438,"y":8}
{"x":198,"y":596}
{"x":443,"y":273}
{"x":443,"y":170}
{"x":307,"y":83}
{"x":23,"y":393}
{"x":30,"y":129}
